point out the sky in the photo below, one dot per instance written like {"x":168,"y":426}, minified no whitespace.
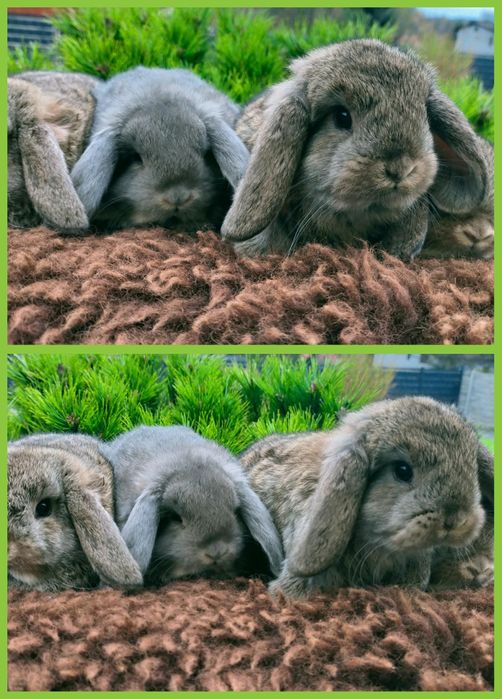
{"x":457,"y":12}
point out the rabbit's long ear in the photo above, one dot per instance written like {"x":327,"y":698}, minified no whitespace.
{"x":274,"y":161}
{"x":485,"y":473}
{"x":462,"y":179}
{"x":100,"y":537}
{"x":93,"y":172}
{"x":140,"y":530}
{"x":229,"y":151}
{"x":261,"y":526}
{"x":47,"y":179}
{"x":324,"y":534}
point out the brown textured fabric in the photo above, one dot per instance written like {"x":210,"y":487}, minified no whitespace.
{"x":152,"y":286}
{"x":231,"y":635}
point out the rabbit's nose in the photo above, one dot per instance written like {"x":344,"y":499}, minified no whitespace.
{"x":216,"y":553}
{"x":399,"y":171}
{"x":178,"y":198}
{"x":454,"y":521}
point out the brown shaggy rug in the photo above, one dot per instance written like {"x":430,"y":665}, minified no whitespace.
{"x":220,"y":635}
{"x":151,"y":287}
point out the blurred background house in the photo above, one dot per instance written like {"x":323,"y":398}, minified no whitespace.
{"x":26,"y":25}
{"x":476,"y":39}
{"x":466,"y":381}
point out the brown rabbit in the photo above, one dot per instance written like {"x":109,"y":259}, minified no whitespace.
{"x":372,"y":500}
{"x":61,"y":528}
{"x":50,"y":116}
{"x":464,"y":235}
{"x":359,"y":144}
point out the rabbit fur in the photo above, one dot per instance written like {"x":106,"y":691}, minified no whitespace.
{"x":162,"y":151}
{"x":184,"y":504}
{"x":49,"y":119}
{"x":359,"y":144}
{"x":344,"y":511}
{"x":75,"y":542}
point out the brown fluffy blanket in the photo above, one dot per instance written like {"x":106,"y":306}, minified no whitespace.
{"x":233,"y":636}
{"x":150,"y":286}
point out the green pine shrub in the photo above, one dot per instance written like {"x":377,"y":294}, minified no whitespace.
{"x":232,"y":404}
{"x":106,"y":41}
{"x":31,"y":57}
{"x":245,"y":56}
{"x":303,"y":36}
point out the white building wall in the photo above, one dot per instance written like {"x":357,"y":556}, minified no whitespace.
{"x":477,"y":397}
{"x":475,"y":40}
{"x":399,"y":361}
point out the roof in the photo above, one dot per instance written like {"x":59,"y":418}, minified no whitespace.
{"x":488,"y":26}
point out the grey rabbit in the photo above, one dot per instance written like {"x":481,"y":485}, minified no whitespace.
{"x":162,"y":151}
{"x":61,"y":531}
{"x":184,"y":504}
{"x":358,"y":144}
{"x":388,"y":496}
{"x":49,"y":120}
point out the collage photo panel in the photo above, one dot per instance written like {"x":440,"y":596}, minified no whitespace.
{"x":250,"y":348}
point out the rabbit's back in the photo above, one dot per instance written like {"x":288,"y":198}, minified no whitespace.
{"x":144,"y":444}
{"x":141,"y":457}
{"x":251,"y":119}
{"x":66,"y":103}
{"x":140,"y":86}
{"x":283,"y":470}
{"x":74,"y":87}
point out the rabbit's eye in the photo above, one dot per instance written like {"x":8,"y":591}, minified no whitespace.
{"x":175,"y":518}
{"x":135,"y":158}
{"x":44,"y":508}
{"x":403,"y":471}
{"x":342,"y":118}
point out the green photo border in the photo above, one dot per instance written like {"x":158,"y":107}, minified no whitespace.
{"x":219,"y":349}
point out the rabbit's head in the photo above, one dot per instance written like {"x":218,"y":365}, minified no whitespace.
{"x":398,"y":478}
{"x":166,"y":171}
{"x":61,"y":531}
{"x":167,"y":159}
{"x":185,"y":505}
{"x":199,"y":530}
{"x":358,"y":134}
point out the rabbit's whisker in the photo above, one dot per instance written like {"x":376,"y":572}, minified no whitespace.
{"x":362,"y":567}
{"x":302,"y":226}
{"x":354,"y":563}
{"x":377,"y":545}
{"x":370,"y":547}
